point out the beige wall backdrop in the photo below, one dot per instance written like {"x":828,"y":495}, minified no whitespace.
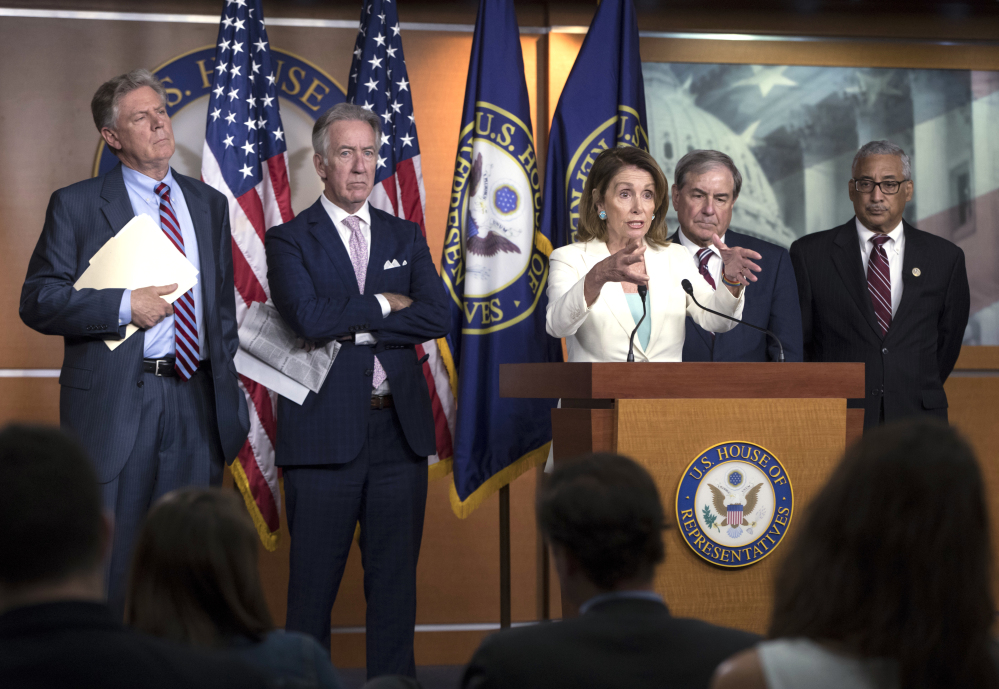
{"x":50,"y":67}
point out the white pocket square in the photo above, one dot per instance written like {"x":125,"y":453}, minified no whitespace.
{"x":391,"y":264}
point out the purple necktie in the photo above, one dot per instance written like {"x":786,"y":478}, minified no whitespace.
{"x":703,"y":256}
{"x":185,"y":324}
{"x":359,"y":259}
{"x":879,"y":282}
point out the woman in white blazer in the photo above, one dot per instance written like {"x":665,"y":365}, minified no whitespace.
{"x":593,"y":299}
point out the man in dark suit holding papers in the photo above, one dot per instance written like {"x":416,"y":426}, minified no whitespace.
{"x":164,"y":409}
{"x":878,"y":290}
{"x":357,"y":450}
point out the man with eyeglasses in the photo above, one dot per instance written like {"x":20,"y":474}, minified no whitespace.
{"x":878,"y":290}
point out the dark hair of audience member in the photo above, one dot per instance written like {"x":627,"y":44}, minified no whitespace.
{"x":50,"y":507}
{"x":605,"y":510}
{"x":194,"y":573}
{"x":893,"y":560}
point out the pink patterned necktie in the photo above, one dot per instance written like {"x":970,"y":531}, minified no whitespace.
{"x":188,"y":356}
{"x":703,"y":256}
{"x":879,"y":282}
{"x":359,"y":259}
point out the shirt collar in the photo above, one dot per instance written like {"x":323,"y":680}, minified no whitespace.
{"x":145,"y":183}
{"x":338,"y":214}
{"x":619,"y":595}
{"x":895,"y":236}
{"x":693,"y":248}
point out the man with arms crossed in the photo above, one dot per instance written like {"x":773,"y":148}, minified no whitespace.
{"x":879,"y":291}
{"x":357,"y":450}
{"x":164,"y":409}
{"x":706,"y":187}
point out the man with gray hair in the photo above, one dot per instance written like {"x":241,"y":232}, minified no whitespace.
{"x":356,"y":451}
{"x":164,"y":409}
{"x":707,"y":185}
{"x":878,"y":290}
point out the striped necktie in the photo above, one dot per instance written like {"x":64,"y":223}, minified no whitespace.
{"x":703,"y":256}
{"x":879,"y":282}
{"x":188,"y":355}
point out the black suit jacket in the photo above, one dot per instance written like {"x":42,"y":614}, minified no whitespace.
{"x":771,"y":303}
{"x":626,"y":643}
{"x":101,"y":395}
{"x":907,"y":366}
{"x":79,"y":645}
{"x":315,"y":290}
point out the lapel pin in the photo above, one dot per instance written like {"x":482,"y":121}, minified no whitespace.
{"x":916,"y":272}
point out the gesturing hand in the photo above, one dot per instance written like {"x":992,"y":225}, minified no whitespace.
{"x":626,"y":265}
{"x":739,"y":266}
{"x":148,"y":307}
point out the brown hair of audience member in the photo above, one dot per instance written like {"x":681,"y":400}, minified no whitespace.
{"x":194,"y":573}
{"x":605,"y":510}
{"x":605,"y":167}
{"x":893,"y":560}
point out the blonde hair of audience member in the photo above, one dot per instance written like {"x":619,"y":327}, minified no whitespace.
{"x":892,"y":561}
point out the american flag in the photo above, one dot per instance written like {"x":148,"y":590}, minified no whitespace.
{"x":245,"y":158}
{"x":379,"y":83}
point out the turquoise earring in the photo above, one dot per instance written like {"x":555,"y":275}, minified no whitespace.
{"x":602,"y":215}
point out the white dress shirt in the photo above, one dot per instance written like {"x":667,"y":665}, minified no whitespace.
{"x":894,"y":249}
{"x":338,"y":215}
{"x":715,"y":262}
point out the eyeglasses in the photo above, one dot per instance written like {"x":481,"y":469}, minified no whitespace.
{"x":888,"y":186}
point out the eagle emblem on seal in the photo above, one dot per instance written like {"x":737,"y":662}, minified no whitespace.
{"x":735,"y":503}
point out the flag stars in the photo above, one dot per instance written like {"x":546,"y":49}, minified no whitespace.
{"x":240,"y":25}
{"x":403,"y":85}
{"x":233,"y":94}
{"x":387,"y":116}
{"x":382,"y":17}
{"x":261,"y":44}
{"x":250,"y":123}
{"x":255,"y":67}
{"x":381,"y":162}
{"x":248,"y":148}
{"x":375,"y":62}
{"x":395,"y":29}
{"x":368,"y":106}
{"x":251,"y":101}
{"x":235,"y":71}
{"x":391,"y":51}
{"x":231,"y":118}
{"x":219,"y":90}
{"x":412,"y":119}
{"x":216,"y":114}
{"x":224,"y":45}
{"x":380,"y":40}
{"x":358,"y":52}
{"x":396,"y":106}
{"x":237,"y":47}
{"x":278,"y":134}
{"x":268,"y":100}
{"x":261,"y":122}
{"x":227,"y":22}
{"x":406,"y":140}
{"x":371,"y":84}
{"x":271,"y":79}
{"x":228,"y":141}
{"x":246,"y":170}
{"x":221,"y":67}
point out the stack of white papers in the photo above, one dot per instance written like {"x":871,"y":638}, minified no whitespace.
{"x":140,"y":255}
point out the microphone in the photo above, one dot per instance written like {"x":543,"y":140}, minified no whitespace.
{"x":689,"y":289}
{"x":643,"y":290}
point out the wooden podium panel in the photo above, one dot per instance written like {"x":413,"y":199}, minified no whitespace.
{"x":664,"y":435}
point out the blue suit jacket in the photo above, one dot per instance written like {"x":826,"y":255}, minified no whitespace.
{"x":315,"y":290}
{"x":771,"y":302}
{"x":101,"y":393}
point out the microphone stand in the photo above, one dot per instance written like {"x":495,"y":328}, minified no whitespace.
{"x":642,"y":291}
{"x":689,"y":289}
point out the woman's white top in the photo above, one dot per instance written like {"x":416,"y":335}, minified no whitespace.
{"x":793,"y":663}
{"x":601,"y":331}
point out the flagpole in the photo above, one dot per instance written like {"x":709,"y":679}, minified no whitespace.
{"x":504,"y":517}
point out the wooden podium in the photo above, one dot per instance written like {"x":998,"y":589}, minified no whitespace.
{"x":664,"y":415}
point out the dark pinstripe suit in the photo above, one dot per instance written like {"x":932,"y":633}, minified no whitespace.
{"x":344,"y":462}
{"x":102,"y":391}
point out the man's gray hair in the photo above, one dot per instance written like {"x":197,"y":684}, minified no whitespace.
{"x":339,"y":113}
{"x":104,"y":105}
{"x":700,"y":161}
{"x":882,"y":148}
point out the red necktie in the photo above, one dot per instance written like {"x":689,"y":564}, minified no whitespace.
{"x":703,"y":256}
{"x":879,"y":282}
{"x":185,"y":324}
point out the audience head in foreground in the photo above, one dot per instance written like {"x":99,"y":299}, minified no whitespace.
{"x":195,"y":580}
{"x":604,"y":519}
{"x":55,"y":630}
{"x":888,"y":578}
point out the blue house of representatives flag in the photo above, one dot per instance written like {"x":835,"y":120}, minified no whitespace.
{"x":601,"y":106}
{"x":495,"y":268}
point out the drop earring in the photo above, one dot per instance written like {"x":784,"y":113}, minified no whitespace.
{"x":602,"y":215}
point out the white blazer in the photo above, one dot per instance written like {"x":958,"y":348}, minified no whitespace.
{"x":601,"y":332}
